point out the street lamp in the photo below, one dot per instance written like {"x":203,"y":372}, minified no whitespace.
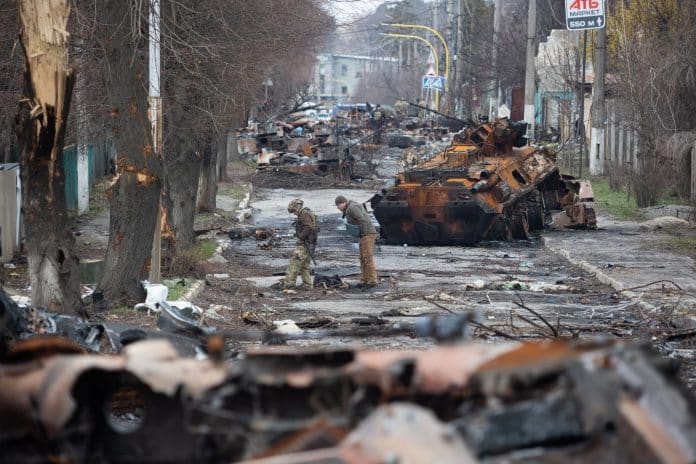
{"x":432,"y":48}
{"x":437,"y":34}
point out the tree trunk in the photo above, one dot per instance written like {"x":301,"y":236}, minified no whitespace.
{"x":183,"y":162}
{"x":222,"y":158}
{"x":207,"y":184}
{"x":40,"y":127}
{"x":181,"y":185}
{"x":232,"y":148}
{"x":136,"y":189}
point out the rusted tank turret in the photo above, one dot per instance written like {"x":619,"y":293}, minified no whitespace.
{"x":487,"y":185}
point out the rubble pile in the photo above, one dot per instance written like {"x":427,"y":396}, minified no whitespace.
{"x":341,"y":143}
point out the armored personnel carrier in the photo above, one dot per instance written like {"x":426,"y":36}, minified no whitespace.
{"x":487,"y":185}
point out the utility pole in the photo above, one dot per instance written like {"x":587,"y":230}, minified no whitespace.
{"x":451,"y":38}
{"x":155,"y":109}
{"x":496,"y":43}
{"x":693,"y":173}
{"x":530,"y":72}
{"x":460,"y":59}
{"x":436,"y":14}
{"x":81,"y":131}
{"x":581,"y":120}
{"x":597,"y":146}
{"x":401,"y":55}
{"x":436,"y":24}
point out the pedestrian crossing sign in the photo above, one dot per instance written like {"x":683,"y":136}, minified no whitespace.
{"x":434,"y":83}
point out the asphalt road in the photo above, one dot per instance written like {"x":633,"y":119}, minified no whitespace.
{"x":489,"y":281}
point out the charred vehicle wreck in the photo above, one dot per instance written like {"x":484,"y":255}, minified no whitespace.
{"x":556,"y":401}
{"x":102,"y":394}
{"x":487,"y":185}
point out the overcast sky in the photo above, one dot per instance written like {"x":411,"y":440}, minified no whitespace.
{"x":348,"y":10}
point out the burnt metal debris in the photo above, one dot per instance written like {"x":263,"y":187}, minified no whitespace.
{"x":340,"y":143}
{"x":487,"y":185}
{"x":77,"y":391}
{"x":551,"y":401}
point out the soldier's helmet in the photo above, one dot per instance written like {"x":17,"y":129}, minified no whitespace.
{"x":295,"y":205}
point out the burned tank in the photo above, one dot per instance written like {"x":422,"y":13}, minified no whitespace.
{"x":487,"y":185}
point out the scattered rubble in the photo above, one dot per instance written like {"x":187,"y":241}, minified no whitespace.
{"x":341,"y":146}
{"x":81,"y":391}
{"x":667,"y":223}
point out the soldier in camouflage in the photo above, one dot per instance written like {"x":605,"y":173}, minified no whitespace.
{"x":356,"y":215}
{"x":306,"y":231}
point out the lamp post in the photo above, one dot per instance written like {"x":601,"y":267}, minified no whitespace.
{"x":437,"y":34}
{"x":432,"y":48}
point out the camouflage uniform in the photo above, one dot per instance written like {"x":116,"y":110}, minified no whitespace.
{"x":306,"y":231}
{"x":356,"y":214}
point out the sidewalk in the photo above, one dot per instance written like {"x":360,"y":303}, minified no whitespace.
{"x":621,"y":255}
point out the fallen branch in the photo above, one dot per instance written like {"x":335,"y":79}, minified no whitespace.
{"x":495,"y":331}
{"x":523,"y":306}
{"x":531,"y":322}
{"x":651,"y":283}
{"x":444,"y":308}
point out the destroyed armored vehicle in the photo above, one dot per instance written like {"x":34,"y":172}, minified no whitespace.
{"x":487,"y":185}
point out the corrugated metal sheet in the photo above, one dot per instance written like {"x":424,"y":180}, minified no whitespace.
{"x":10,"y":207}
{"x":70,"y":170}
{"x":98,"y":155}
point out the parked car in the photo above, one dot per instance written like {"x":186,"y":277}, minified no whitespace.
{"x":323,"y":115}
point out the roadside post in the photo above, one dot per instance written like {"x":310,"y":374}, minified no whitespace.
{"x":582,"y":15}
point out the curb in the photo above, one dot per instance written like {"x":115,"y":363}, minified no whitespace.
{"x":599,"y":275}
{"x":243,"y":211}
{"x":195,"y":290}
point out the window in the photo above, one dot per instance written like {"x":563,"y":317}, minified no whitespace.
{"x":344,"y":70}
{"x":344,"y":90}
{"x":358,"y":75}
{"x":322,"y":83}
{"x":518,"y":177}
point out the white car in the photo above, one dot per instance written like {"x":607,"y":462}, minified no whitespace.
{"x":323,"y":115}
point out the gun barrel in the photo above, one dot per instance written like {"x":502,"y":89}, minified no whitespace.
{"x":467,"y":122}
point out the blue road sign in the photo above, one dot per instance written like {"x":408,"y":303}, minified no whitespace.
{"x":434,"y":83}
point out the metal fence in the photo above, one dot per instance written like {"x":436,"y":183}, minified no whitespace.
{"x":10,"y":210}
{"x":98,"y":165}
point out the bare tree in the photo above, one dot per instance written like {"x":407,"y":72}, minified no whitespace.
{"x":40,"y":125}
{"x":217,"y":54}
{"x":11,"y":71}
{"x":652,"y":49}
{"x":135,"y":192}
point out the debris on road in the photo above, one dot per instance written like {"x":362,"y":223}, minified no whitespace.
{"x":666,"y":223}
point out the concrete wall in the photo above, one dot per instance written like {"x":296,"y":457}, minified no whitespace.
{"x":620,"y":141}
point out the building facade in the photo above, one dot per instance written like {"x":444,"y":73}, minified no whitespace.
{"x":337,"y":78}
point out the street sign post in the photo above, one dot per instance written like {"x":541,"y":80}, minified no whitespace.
{"x":585,"y":14}
{"x":434,"y":83}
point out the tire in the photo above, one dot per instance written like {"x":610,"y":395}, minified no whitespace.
{"x":535,"y":211}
